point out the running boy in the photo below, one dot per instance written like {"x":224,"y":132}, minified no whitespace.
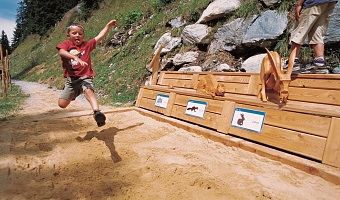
{"x":76,"y":62}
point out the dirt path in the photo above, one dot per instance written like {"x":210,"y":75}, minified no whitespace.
{"x":52,"y":153}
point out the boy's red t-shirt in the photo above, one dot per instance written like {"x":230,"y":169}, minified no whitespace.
{"x":70,"y":67}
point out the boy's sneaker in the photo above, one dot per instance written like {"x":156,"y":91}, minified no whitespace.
{"x":296,"y":66}
{"x":99,"y":117}
{"x":317,"y":63}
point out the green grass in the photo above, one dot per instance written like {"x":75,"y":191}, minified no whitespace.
{"x":11,"y":104}
{"x":248,"y":8}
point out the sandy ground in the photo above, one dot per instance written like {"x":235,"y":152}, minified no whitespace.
{"x":52,"y":153}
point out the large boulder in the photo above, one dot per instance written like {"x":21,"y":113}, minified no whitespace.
{"x":169,"y":43}
{"x":196,"y":34}
{"x":333,"y":31}
{"x":266,"y":29}
{"x":229,"y":36}
{"x":217,"y":9}
{"x":187,"y":57}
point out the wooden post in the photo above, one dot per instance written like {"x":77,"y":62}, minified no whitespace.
{"x":331,"y":155}
{"x":3,"y":73}
{"x":7,"y":74}
{"x":154,"y":64}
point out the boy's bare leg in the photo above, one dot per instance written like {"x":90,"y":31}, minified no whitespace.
{"x":318,"y":50}
{"x":63,"y":103}
{"x":98,"y":116}
{"x":91,"y":98}
{"x":298,"y":47}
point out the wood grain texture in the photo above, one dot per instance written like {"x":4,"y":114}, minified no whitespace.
{"x":293,"y":141}
{"x":332,"y":151}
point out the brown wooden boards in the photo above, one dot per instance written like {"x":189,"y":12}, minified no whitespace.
{"x":307,"y":125}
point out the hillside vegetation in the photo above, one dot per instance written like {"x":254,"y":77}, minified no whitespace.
{"x":121,"y":69}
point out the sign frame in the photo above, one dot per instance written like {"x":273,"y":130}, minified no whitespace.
{"x":159,"y":101}
{"x":196,"y":108}
{"x":241,"y":120}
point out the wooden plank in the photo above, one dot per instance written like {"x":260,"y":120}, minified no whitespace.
{"x":177,"y":83}
{"x":332,"y":151}
{"x":194,"y":81}
{"x":292,"y":141}
{"x":231,"y":78}
{"x":161,"y":77}
{"x":237,"y":88}
{"x":183,"y":76}
{"x":184,"y":91}
{"x":152,"y":94}
{"x":214,"y":106}
{"x":291,"y":105}
{"x":317,"y":76}
{"x":315,"y":95}
{"x":150,"y":105}
{"x":297,"y":106}
{"x":209,"y":120}
{"x":139,"y":97}
{"x":170,"y":104}
{"x":315,"y":83}
{"x":253,"y":86}
{"x":186,"y":75}
{"x":310,"y":124}
{"x":223,"y":124}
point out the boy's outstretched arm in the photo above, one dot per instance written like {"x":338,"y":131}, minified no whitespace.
{"x":105,"y":30}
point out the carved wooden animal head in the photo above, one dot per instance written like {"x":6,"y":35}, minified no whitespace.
{"x":209,"y":85}
{"x":282,"y":79}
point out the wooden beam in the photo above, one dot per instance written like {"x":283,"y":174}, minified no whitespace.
{"x":332,"y":151}
{"x":139,"y":97}
{"x":226,"y":116}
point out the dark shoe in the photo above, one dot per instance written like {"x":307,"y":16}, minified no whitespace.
{"x":99,"y":117}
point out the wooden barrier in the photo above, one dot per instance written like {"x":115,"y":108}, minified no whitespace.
{"x":5,"y":75}
{"x":307,"y":125}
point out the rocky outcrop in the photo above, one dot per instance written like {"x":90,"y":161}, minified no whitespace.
{"x":242,"y":38}
{"x":218,"y":9}
{"x":196,"y":34}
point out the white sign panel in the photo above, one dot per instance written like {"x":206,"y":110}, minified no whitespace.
{"x":161,"y":100}
{"x":196,"y":108}
{"x":248,"y":119}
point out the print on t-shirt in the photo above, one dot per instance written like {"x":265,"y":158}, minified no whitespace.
{"x":75,"y":52}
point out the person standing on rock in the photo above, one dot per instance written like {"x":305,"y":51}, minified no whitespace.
{"x":76,"y":63}
{"x":312,"y":18}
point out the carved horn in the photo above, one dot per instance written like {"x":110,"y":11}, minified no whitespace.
{"x":291,"y":61}
{"x":154,"y":64}
{"x":273,"y":62}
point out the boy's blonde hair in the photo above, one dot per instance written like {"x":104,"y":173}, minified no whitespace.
{"x":77,"y":25}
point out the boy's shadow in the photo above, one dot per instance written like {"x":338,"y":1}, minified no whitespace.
{"x":107,"y":135}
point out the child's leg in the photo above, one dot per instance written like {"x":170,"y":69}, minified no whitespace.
{"x":68,"y":94}
{"x":91,"y":98}
{"x":98,"y":116}
{"x":63,"y":103}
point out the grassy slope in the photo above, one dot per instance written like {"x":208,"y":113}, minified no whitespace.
{"x":120,"y":71}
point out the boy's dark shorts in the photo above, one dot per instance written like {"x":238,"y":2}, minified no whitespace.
{"x":75,"y":86}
